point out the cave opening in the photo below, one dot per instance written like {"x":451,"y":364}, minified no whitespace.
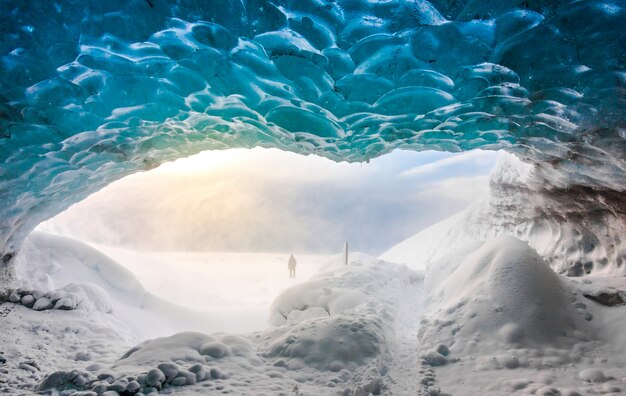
{"x":212,"y":232}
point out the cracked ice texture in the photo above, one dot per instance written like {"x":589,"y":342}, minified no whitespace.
{"x":94,"y":90}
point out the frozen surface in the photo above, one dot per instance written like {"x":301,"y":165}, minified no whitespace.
{"x":94,"y":92}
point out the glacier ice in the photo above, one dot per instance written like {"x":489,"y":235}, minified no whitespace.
{"x":91,"y":91}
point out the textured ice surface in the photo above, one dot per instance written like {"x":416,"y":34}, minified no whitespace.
{"x":91,"y":91}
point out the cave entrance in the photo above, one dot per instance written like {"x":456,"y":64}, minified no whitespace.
{"x":213,"y":232}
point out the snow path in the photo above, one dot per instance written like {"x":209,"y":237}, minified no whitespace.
{"x":403,"y":375}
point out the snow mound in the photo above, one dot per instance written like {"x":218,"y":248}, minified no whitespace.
{"x":504,"y":289}
{"x":340,"y":317}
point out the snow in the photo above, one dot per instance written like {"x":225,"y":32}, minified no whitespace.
{"x":499,"y":321}
{"x":488,"y":317}
{"x":576,"y":232}
{"x":354,"y":338}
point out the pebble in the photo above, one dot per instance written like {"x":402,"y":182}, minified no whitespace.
{"x":42,"y":304}
{"x":65,"y":304}
{"x":119,"y":386}
{"x":179,"y":381}
{"x":133,"y":387}
{"x":14,"y":297}
{"x":154,"y":378}
{"x":28,"y":300}
{"x":170,"y":370}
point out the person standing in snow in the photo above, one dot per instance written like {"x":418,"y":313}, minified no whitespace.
{"x":292,"y":266}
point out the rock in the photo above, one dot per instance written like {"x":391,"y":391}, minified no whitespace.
{"x":106,"y":376}
{"x":608,"y":299}
{"x":84,"y":393}
{"x":154,"y":378}
{"x":37,"y":294}
{"x":200,"y":371}
{"x":133,"y":387}
{"x":14,"y":297}
{"x":65,"y":304}
{"x":434,"y":359}
{"x":111,"y":393}
{"x":442,"y":349}
{"x":58,"y":379}
{"x":42,"y":304}
{"x":81,"y":379}
{"x":190,"y":378}
{"x":28,"y":300}
{"x":100,"y":387}
{"x":179,"y":381}
{"x":3,"y":360}
{"x":170,"y":370}
{"x":150,"y":390}
{"x":119,"y":386}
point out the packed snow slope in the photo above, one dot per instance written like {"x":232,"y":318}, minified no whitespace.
{"x":91,"y":91}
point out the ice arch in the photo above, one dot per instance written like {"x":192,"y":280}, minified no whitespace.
{"x":92,"y":90}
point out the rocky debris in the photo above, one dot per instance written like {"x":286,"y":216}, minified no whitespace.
{"x":608,"y":299}
{"x":41,"y":301}
{"x":167,"y":374}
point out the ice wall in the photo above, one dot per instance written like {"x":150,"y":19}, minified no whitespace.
{"x":93,"y":90}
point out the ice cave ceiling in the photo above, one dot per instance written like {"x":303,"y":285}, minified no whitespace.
{"x":93,"y":90}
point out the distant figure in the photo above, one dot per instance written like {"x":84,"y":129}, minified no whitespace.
{"x":292,"y":266}
{"x":345,"y":252}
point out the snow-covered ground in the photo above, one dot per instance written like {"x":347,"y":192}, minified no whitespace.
{"x":335,"y":333}
{"x":466,"y":317}
{"x":234,"y":289}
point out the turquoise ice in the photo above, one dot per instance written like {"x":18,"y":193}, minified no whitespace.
{"x":93,"y":90}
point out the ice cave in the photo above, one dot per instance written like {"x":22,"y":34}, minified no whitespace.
{"x":521,"y":293}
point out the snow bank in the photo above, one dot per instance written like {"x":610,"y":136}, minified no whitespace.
{"x":504,"y":291}
{"x":500,"y":321}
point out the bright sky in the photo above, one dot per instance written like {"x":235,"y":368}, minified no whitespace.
{"x":274,"y":201}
